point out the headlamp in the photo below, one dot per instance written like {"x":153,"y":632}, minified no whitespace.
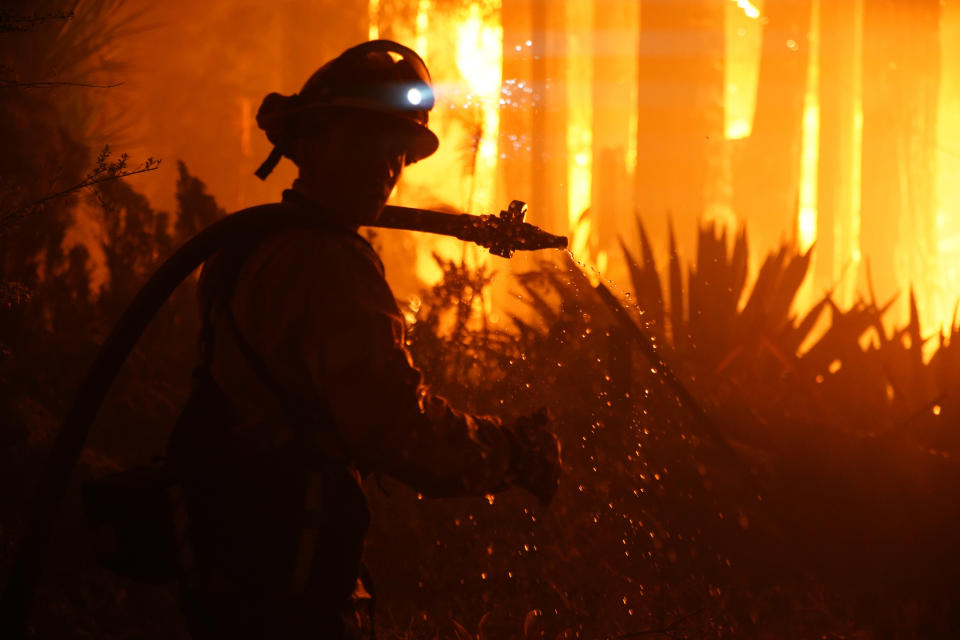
{"x":413,"y":96}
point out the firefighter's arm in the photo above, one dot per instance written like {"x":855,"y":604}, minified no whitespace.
{"x":398,"y":427}
{"x":391,"y":423}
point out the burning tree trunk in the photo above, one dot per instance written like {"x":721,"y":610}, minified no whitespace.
{"x":680,"y":110}
{"x":549,"y":139}
{"x":614,"y":44}
{"x":901,"y":79}
{"x":767,"y":173}
{"x":835,"y":187}
{"x":515,"y":181}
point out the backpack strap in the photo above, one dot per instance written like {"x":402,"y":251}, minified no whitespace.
{"x":301,"y":412}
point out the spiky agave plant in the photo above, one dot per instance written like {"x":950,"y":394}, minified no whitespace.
{"x":817,"y":424}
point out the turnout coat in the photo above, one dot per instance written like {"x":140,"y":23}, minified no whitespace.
{"x":305,"y":384}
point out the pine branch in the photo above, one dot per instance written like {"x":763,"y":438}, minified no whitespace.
{"x":105,"y":170}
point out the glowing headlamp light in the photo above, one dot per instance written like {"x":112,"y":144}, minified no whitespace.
{"x":415,"y":96}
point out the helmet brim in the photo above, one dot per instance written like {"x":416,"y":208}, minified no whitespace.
{"x":421,"y":142}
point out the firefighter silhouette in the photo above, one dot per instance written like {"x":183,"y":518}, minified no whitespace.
{"x":304,"y":383}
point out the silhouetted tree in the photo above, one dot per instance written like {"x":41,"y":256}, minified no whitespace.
{"x":135,"y":239}
{"x":196,"y":209}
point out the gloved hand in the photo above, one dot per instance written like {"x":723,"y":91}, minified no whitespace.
{"x":534,"y":456}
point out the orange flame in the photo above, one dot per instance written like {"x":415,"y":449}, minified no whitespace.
{"x":749,"y":9}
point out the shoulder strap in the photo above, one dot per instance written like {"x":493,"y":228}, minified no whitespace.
{"x":302,"y":413}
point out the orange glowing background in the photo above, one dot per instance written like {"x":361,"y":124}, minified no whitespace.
{"x":833,"y":125}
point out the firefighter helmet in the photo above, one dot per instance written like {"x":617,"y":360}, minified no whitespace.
{"x":380,"y":76}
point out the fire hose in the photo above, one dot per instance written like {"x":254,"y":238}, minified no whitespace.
{"x":502,"y":235}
